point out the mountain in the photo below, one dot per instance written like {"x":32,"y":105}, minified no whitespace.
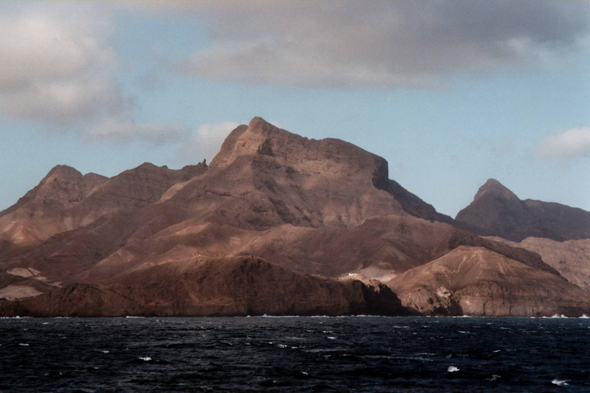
{"x":478,"y":281}
{"x":497,"y":211}
{"x":66,"y":200}
{"x":272,"y":208}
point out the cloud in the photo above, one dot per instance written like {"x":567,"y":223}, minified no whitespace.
{"x":57,"y":65}
{"x":378,"y":43}
{"x":208,"y":139}
{"x":569,"y":144}
{"x":123,"y":131}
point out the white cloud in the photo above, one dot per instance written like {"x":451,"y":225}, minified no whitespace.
{"x":121,"y":131}
{"x":378,"y":43}
{"x":56,"y":64}
{"x":208,"y":139}
{"x":568,"y":144}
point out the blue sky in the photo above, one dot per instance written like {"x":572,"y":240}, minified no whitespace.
{"x":451,"y":93}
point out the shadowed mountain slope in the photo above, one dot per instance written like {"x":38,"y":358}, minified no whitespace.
{"x":227,"y":286}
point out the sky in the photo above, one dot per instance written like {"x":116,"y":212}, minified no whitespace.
{"x":450,"y":93}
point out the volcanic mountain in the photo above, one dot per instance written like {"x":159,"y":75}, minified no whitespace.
{"x":276,"y":224}
{"x":497,"y":211}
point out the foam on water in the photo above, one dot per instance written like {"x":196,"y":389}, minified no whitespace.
{"x":559,"y":382}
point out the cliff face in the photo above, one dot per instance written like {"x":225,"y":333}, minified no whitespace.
{"x":221,"y":287}
{"x":497,"y":211}
{"x":277,"y":224}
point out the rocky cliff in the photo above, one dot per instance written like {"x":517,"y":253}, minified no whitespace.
{"x":220,"y":287}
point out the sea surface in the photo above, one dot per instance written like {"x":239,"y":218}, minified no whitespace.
{"x":297,"y":354}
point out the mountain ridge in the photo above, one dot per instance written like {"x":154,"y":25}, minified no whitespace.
{"x":306,"y":208}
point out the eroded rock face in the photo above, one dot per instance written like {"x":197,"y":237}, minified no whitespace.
{"x":477,"y":281}
{"x":497,"y":211}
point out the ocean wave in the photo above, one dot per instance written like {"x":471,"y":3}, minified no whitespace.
{"x":559,"y":382}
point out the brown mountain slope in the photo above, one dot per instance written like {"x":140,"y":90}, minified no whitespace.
{"x":65,"y":200}
{"x":42,"y":212}
{"x":379,"y":248}
{"x":262,"y":178}
{"x":570,"y":258}
{"x":480,"y":282}
{"x":497,"y":211}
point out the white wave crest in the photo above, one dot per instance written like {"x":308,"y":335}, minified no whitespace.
{"x":559,"y":382}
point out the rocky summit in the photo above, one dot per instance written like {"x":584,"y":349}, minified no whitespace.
{"x":279,"y":224}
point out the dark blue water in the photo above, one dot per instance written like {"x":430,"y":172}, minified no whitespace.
{"x":354,"y":354}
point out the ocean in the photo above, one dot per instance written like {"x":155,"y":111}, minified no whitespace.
{"x":295,"y":354}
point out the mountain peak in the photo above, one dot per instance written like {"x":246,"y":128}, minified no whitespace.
{"x":258,"y":123}
{"x":494,"y":187}
{"x":63,"y":172}
{"x":255,"y":138}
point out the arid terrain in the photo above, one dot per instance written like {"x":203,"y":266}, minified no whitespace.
{"x":284,"y":225}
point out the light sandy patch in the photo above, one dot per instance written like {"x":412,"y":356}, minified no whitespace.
{"x":21,"y":272}
{"x":13,"y":292}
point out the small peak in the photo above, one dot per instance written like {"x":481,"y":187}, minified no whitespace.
{"x":259,"y":125}
{"x":258,"y":137}
{"x":91,"y":176}
{"x":63,"y":172}
{"x":63,"y":169}
{"x":147,"y":165}
{"x":257,"y":122}
{"x":494,"y":187}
